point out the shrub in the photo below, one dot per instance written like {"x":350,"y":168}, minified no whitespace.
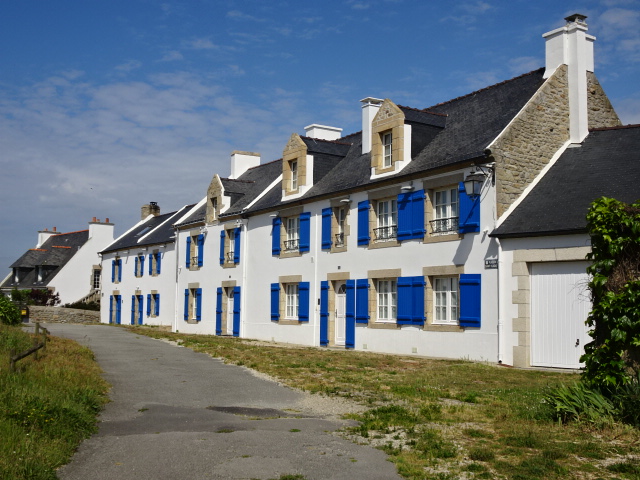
{"x":9,"y":313}
{"x":93,"y":306}
{"x":579,"y":402}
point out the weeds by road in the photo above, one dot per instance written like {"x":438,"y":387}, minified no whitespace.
{"x":46,"y":408}
{"x":444,"y":419}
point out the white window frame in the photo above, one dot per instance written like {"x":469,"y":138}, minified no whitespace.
{"x":387,"y":300}
{"x":97,"y":275}
{"x":341,"y":220}
{"x":292,"y":301}
{"x":231,"y":238}
{"x":193,"y":303}
{"x":292,"y":230}
{"x":294,"y":174}
{"x":446,"y":300}
{"x":387,"y":218}
{"x":387,"y":149}
{"x":445,"y":211}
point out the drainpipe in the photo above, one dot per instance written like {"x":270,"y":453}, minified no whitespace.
{"x":501,"y":308}
{"x":245,"y":264}
{"x":175,"y":300}
{"x":316,"y":282}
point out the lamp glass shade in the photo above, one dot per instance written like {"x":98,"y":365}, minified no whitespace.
{"x":473,"y":185}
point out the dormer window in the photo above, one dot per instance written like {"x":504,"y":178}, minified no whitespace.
{"x":293,"y":165}
{"x":387,"y":145}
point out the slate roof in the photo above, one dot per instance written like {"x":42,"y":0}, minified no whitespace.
{"x":445,"y":134}
{"x":606,"y":164}
{"x":153,"y":231}
{"x":53,"y":254}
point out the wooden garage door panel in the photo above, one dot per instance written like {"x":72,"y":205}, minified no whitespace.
{"x":559,"y":307}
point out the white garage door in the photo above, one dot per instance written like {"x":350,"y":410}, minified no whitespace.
{"x":560,"y":304}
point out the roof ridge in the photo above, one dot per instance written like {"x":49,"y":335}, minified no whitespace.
{"x":485,"y":88}
{"x":263,"y":164}
{"x":59,"y":246}
{"x":327,"y":141}
{"x":423,"y":110}
{"x":238,"y":180}
{"x":38,"y":249}
{"x":69,"y":233}
{"x":617,"y":127}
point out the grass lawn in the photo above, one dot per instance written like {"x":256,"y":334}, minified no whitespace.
{"x":47,"y":407}
{"x":443,"y":419}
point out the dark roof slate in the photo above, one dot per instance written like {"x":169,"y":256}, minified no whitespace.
{"x":606,"y":164}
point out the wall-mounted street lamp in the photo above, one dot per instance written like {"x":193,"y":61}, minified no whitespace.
{"x":475,"y":180}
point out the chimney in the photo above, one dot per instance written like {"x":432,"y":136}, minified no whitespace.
{"x":572,"y":46}
{"x":322,"y":132}
{"x":151,"y":208}
{"x":370,"y":107}
{"x":43,"y":235}
{"x":243,"y":161}
{"x":100,"y":229}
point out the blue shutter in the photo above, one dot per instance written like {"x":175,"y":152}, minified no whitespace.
{"x":362,"y":300}
{"x":198,"y":304}
{"x":303,"y":302}
{"x":469,"y":211}
{"x":363,"y":223}
{"x":275,"y":302}
{"x":111,"y":309}
{"x":151,"y":255}
{"x":411,"y":215}
{"x":133,"y":309}
{"x":140,"y":308}
{"x":222,"y":235}
{"x":200,"y":249}
{"x":119,"y":269}
{"x":305,"y":231}
{"x":324,"y":313}
{"x":236,"y":311}
{"x":350,"y":315}
{"x":157,"y":312}
{"x":404,"y":301}
{"x":186,"y":304}
{"x":219,"y":311}
{"x":275,"y":236}
{"x":118,"y":309}
{"x":236,"y":246}
{"x":148,"y":304}
{"x":326,"y":228}
{"x":135,"y":266}
{"x":158,"y":262}
{"x":113,"y":271}
{"x":141,"y":265}
{"x":188,"y":252}
{"x":411,"y":300}
{"x":470,"y":299}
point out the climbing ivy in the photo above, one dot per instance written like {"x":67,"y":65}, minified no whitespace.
{"x":612,"y":359}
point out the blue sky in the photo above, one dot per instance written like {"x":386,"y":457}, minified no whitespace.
{"x":108,"y":104}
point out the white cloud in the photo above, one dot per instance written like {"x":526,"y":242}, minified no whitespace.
{"x":202,"y":44}
{"x":520,"y":65}
{"x":129,"y":66}
{"x":171,"y":56}
{"x":238,"y":15}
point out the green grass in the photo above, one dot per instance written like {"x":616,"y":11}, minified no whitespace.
{"x":439,"y":419}
{"x":47,"y":407}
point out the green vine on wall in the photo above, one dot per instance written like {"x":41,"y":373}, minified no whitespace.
{"x":612,"y":359}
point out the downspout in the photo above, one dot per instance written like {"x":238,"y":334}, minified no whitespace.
{"x":175,"y":300}
{"x":501,"y":312}
{"x":314,"y":259}
{"x":244,"y":245}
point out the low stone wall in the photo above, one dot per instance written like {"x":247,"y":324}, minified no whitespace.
{"x":62,"y":315}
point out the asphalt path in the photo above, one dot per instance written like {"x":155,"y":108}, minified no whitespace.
{"x":177,"y":414}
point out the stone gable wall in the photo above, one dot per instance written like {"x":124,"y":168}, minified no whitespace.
{"x":601,"y":112}
{"x":62,"y":315}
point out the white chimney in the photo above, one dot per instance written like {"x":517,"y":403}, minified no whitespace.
{"x":43,"y":236}
{"x":370,"y":107}
{"x":323,"y":132}
{"x":243,"y":161}
{"x":572,"y":46}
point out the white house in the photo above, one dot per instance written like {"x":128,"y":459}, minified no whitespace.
{"x":402,"y":237}
{"x":65,"y":263}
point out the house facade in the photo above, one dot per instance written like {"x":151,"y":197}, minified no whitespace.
{"x":395,"y":239}
{"x":64,"y":263}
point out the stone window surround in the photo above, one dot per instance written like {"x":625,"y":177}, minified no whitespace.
{"x":154,"y":299}
{"x":389,"y":119}
{"x":140,"y":271}
{"x":334,"y":279}
{"x":193,"y":287}
{"x":335,"y":205}
{"x":227,"y":290}
{"x":154,"y":262}
{"x":94,"y":269}
{"x":284,"y":214}
{"x":429,"y":274}
{"x":282,"y":301}
{"x":374,"y":198}
{"x":373,"y":276}
{"x":521,"y":297}
{"x":193,"y":252}
{"x":227,"y":246}
{"x":295,"y":151}
{"x":430,"y":186}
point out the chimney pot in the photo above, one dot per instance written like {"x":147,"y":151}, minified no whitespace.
{"x":106,"y":220}
{"x":94,"y":219}
{"x":54,"y":229}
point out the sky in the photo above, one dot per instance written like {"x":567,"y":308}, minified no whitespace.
{"x":106,"y":105}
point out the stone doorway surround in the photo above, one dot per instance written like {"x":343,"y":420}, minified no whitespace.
{"x":521,"y":297}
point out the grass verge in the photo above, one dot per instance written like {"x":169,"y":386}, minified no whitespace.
{"x":47,"y":407}
{"x":444,"y":419}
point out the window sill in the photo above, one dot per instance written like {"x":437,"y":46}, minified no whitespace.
{"x":193,"y":321}
{"x":383,"y":244}
{"x":290,"y":321}
{"x":443,"y":328}
{"x":341,"y":248}
{"x":449,"y":237}
{"x":290,"y":254}
{"x":229,"y":265}
{"x":384,"y":325}
{"x":193,"y":269}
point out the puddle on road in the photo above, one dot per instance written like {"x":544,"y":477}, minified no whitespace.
{"x":253,"y":412}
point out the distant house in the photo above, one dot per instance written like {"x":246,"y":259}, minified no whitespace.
{"x":416,"y":235}
{"x":65,"y":263}
{"x":139,"y":271}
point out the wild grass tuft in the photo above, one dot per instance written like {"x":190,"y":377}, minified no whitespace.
{"x":48,"y":407}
